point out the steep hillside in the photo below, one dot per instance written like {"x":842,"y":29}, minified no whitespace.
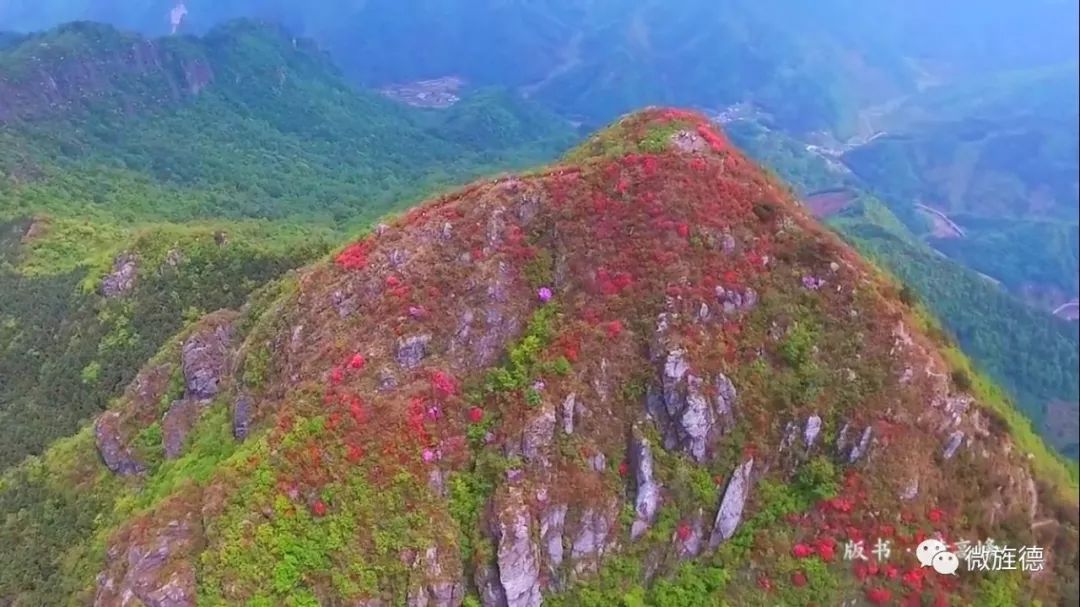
{"x":1028,"y":351}
{"x":642,"y":377}
{"x":143,"y":182}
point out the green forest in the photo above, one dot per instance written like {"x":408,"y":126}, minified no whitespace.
{"x":213,"y":194}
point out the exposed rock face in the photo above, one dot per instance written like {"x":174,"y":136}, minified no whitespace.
{"x":436,"y":588}
{"x":243,"y":413}
{"x":725,"y":401}
{"x":412,"y":350}
{"x":205,"y":359}
{"x":176,"y":424}
{"x":122,"y":277}
{"x":689,"y":142}
{"x":552,"y":523}
{"x":518,"y":555}
{"x":569,"y":411}
{"x":345,"y":304}
{"x":813,"y":428}
{"x":151,"y":565}
{"x":736,"y":300}
{"x":591,"y":540}
{"x":538,"y":434}
{"x":113,"y":446}
{"x":731,"y":507}
{"x":953,"y":445}
{"x":487,"y":583}
{"x":648,"y":490}
{"x":862,"y":446}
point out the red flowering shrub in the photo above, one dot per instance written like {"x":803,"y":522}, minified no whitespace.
{"x":648,"y":164}
{"x":476,"y":415}
{"x":764,"y":583}
{"x":842,"y":505}
{"x":444,"y":383}
{"x":878,"y":596}
{"x":683,"y":531}
{"x":354,"y":257}
{"x":798,"y":579}
{"x":826,"y":549}
{"x":614,"y":328}
{"x":336,"y":375}
{"x":914,"y":579}
{"x":624,"y":468}
{"x":935,"y":515}
{"x":318,"y":508}
{"x":354,"y":454}
{"x":673,"y":115}
{"x":801,"y":551}
{"x":716,"y":142}
{"x":612,"y":283}
{"x":356,"y":410}
{"x":357,"y":361}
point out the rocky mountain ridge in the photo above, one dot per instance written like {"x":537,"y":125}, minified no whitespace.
{"x":644,"y":376}
{"x":644,"y":372}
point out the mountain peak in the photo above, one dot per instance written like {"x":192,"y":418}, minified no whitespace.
{"x":648,"y":355}
{"x":651,"y":131}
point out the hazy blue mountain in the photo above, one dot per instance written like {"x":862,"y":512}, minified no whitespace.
{"x":811,"y":65}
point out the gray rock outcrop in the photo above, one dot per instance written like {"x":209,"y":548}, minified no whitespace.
{"x":113,"y":448}
{"x":731,"y":507}
{"x":121,"y":279}
{"x":518,"y":556}
{"x":412,"y":350}
{"x":647,"y":499}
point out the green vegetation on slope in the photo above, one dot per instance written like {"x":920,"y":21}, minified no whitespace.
{"x":1033,"y":355}
{"x":1027,"y":351}
{"x":213,"y":193}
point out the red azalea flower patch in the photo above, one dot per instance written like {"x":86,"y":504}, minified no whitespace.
{"x":826,"y":549}
{"x":357,"y":361}
{"x":444,"y":383}
{"x":476,"y":415}
{"x":354,"y":257}
{"x":801,"y":551}
{"x":878,"y":596}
